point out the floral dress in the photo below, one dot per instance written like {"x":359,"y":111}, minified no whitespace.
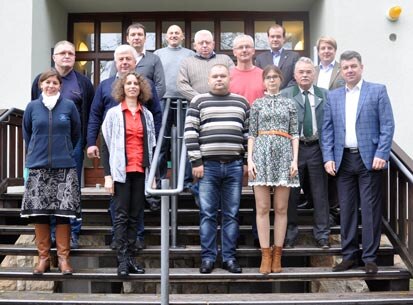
{"x":272,"y":154}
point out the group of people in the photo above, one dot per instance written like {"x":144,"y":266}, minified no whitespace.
{"x":292,"y":127}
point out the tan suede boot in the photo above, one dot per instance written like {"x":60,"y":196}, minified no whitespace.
{"x":266,"y":259}
{"x":63,"y":248}
{"x":43,"y":243}
{"x":276,"y":259}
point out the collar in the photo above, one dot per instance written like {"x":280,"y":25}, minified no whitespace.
{"x":175,"y":48}
{"x":311,"y":90}
{"x":277,"y":53}
{"x":124,"y":106}
{"x":356,"y":87}
{"x":328,"y":68}
{"x":212,"y":55}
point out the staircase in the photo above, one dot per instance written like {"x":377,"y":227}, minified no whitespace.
{"x":305,"y":267}
{"x":95,"y":266}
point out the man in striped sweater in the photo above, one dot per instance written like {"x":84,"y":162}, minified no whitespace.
{"x":216,"y":133}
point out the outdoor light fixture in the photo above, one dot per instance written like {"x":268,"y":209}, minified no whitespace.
{"x":83,"y":47}
{"x":393,"y":13}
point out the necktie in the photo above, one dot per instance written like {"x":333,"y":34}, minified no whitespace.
{"x":308,"y":117}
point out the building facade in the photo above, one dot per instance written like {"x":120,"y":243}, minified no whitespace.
{"x":30,"y":28}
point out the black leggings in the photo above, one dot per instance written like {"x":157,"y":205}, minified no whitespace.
{"x":46,"y":220}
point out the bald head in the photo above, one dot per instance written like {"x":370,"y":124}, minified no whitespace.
{"x":174,"y":36}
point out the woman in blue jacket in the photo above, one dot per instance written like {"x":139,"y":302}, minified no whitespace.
{"x":51,"y":129}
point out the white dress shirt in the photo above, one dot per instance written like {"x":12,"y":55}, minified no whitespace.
{"x":352,"y":100}
{"x":324,"y":76}
{"x":311,"y":98}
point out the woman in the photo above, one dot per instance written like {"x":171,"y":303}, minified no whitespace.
{"x":51,"y":129}
{"x":272,"y":163}
{"x":129,"y":138}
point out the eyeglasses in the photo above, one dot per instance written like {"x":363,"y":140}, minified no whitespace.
{"x":243,"y":47}
{"x":272,"y":77}
{"x":65,"y":53}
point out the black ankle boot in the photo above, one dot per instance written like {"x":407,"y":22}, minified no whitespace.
{"x":123,"y":267}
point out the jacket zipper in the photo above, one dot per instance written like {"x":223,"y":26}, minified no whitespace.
{"x":50,"y":137}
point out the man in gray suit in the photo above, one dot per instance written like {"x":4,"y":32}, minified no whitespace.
{"x":327,"y":76}
{"x":356,"y":140}
{"x":309,"y":100}
{"x":327,"y":73}
{"x":277,"y":55}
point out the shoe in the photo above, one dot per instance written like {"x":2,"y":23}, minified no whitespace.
{"x":74,"y":241}
{"x":323,"y":244}
{"x":371,"y":268}
{"x":123,"y":266}
{"x":140,"y":244}
{"x":206,"y":267}
{"x":134,"y":267}
{"x":345,"y":265}
{"x":289,"y":244}
{"x":232,"y":266}
{"x":154,"y":203}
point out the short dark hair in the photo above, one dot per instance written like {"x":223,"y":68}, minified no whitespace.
{"x":273,"y":68}
{"x":49,"y":73}
{"x":275,"y":26}
{"x":136,"y":26}
{"x":348,"y":55}
{"x":145,"y":94}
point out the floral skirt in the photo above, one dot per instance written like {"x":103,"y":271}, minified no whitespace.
{"x":52,"y":192}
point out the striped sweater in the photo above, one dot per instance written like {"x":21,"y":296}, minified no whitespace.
{"x":216,"y":128}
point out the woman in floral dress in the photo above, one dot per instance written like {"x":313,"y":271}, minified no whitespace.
{"x":272,"y":164}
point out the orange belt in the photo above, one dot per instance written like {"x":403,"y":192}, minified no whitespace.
{"x":274,"y":133}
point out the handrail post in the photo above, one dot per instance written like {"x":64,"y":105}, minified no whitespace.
{"x":165,"y":245}
{"x":174,"y":202}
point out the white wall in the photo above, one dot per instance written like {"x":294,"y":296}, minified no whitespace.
{"x":28,"y":30}
{"x":15,"y":52}
{"x":362,"y":26}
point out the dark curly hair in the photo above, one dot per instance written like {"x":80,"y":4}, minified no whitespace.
{"x":118,"y":90}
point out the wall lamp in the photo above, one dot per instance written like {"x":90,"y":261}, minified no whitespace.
{"x":83,"y":48}
{"x":393,"y":13}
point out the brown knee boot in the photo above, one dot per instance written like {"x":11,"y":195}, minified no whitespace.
{"x":43,"y":243}
{"x":266,"y":258}
{"x":276,"y":259}
{"x":63,"y":248}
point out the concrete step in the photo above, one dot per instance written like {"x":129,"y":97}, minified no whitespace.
{"x":365,"y":298}
{"x":397,"y":277}
{"x":188,"y":251}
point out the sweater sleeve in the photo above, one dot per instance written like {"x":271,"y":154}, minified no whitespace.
{"x":95,"y":117}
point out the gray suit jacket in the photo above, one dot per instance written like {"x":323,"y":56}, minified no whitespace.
{"x":336,"y":79}
{"x":287,"y":62}
{"x":320,"y":97}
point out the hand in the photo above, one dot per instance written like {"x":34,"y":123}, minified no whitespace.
{"x":330,"y":167}
{"x":109,"y":185}
{"x":198,"y":172}
{"x":93,"y":152}
{"x":293,"y":169}
{"x":252,"y":170}
{"x":378,"y":163}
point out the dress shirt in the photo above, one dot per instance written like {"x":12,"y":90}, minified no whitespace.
{"x":276,"y":56}
{"x":324,"y":76}
{"x":141,"y":55}
{"x":352,"y":100}
{"x":314,"y":119}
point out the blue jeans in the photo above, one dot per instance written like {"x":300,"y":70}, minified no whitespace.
{"x":74,"y":223}
{"x":222,"y":183}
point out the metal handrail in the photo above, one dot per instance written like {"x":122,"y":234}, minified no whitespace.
{"x":401,"y":167}
{"x":10,"y":111}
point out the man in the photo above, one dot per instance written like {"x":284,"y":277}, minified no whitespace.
{"x":327,"y":76}
{"x":327,"y":73}
{"x":356,"y":141}
{"x":125,"y":61}
{"x":283,"y":59}
{"x":79,"y":89}
{"x":193,"y":73}
{"x":246,"y":79}
{"x":171,"y":58}
{"x":309,"y":100}
{"x":216,"y":133}
{"x":193,"y":80}
{"x":148,"y":64}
